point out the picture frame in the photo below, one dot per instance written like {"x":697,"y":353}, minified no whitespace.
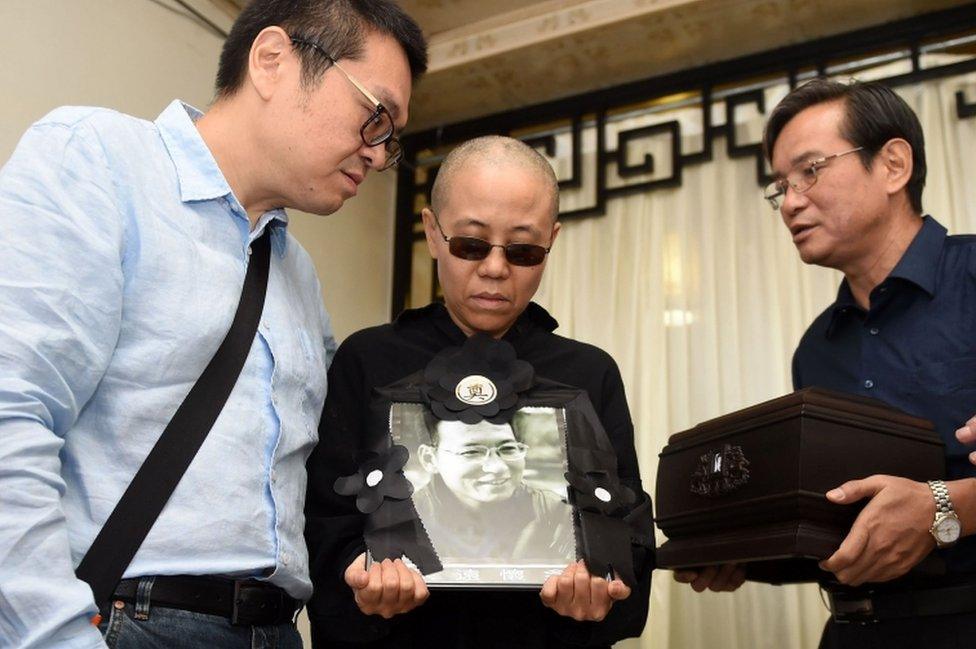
{"x":480,"y":474}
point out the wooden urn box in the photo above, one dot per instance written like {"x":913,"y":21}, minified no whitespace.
{"x":749,"y":487}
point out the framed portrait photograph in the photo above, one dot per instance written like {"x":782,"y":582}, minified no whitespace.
{"x":492,"y":497}
{"x":482,"y":475}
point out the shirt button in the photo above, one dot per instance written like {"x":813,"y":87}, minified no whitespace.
{"x":284,"y":558}
{"x":249,"y":251}
{"x":874,"y":331}
{"x":869,"y":384}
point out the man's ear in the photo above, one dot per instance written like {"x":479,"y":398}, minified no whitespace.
{"x":897,"y":162}
{"x":431,"y":232}
{"x":427,"y":455}
{"x":270,"y":51}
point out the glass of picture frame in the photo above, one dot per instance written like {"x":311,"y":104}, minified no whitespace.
{"x":492,"y":498}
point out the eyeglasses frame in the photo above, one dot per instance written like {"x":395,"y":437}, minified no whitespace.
{"x":814,"y":166}
{"x":523,"y":449}
{"x":394,"y":150}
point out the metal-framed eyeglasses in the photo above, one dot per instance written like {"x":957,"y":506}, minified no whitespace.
{"x":800,"y":179}
{"x":378,"y":128}
{"x":475,"y":249}
{"x":508,"y":451}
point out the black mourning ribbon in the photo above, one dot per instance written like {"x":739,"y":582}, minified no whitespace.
{"x":480,"y":355}
{"x":598,"y":492}
{"x":380,"y":476}
{"x":394,"y":530}
{"x":602,"y":504}
{"x":382,"y":492}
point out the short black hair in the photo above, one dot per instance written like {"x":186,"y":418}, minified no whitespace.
{"x":874,"y":114}
{"x":430,"y":423}
{"x":339,"y":26}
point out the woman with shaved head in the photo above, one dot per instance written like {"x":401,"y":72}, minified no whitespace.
{"x":490,"y":228}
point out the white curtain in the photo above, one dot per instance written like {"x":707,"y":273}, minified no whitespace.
{"x":699,"y":295}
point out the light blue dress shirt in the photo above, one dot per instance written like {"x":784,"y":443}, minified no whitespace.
{"x":122,"y":258}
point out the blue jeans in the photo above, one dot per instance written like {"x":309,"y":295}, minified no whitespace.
{"x":144,"y":626}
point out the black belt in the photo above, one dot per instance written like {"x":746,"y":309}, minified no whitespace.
{"x":867,"y":606}
{"x":245,"y":602}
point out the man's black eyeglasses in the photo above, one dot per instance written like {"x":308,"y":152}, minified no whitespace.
{"x":475,"y":249}
{"x":378,"y":129}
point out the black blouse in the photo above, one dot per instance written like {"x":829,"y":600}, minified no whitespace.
{"x":377,"y":357}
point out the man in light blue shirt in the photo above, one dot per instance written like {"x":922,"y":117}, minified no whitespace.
{"x":123,"y":248}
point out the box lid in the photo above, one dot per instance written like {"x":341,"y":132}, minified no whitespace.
{"x":813,"y":402}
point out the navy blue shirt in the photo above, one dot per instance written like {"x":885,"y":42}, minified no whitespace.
{"x":915,"y":348}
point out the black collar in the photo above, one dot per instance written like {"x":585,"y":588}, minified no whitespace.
{"x":534,"y":317}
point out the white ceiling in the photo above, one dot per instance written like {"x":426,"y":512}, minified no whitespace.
{"x":488,"y":56}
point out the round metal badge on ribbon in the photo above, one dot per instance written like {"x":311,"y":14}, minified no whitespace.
{"x":475,"y":390}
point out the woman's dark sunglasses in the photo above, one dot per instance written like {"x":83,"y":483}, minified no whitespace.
{"x":475,"y":249}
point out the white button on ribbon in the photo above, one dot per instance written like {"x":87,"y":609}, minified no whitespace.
{"x":374,"y":478}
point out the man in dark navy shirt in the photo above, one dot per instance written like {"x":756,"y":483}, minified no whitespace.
{"x":849,"y":168}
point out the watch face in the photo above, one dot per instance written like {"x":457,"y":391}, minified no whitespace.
{"x":947,"y":530}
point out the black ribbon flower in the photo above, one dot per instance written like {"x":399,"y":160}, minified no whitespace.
{"x":598,"y":492}
{"x":380,"y":475}
{"x":479,"y":380}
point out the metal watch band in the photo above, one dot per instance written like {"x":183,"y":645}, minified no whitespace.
{"x":941,"y":493}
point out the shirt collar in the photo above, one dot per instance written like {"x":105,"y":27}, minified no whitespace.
{"x":200,"y":177}
{"x":533,"y":317}
{"x":844,"y":304}
{"x":919,"y":265}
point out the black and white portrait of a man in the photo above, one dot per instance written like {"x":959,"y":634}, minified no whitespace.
{"x":492,"y":497}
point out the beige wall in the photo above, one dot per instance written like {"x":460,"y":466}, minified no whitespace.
{"x":353,"y":253}
{"x":134,"y":56}
{"x":137,"y":55}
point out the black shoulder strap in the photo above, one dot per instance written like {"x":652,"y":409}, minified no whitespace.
{"x":150,"y":489}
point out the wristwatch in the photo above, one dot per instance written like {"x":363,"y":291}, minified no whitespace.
{"x":946,"y":527}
